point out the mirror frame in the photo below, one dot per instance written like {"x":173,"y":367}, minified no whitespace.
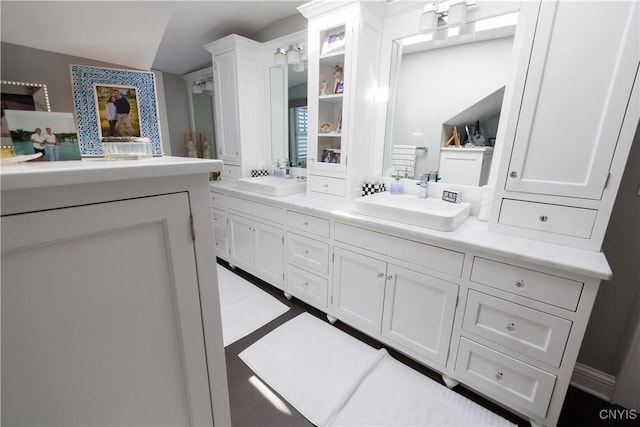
{"x":43,"y":105}
{"x":269,"y":47}
{"x":402,"y":22}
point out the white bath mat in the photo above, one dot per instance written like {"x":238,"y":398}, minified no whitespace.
{"x":244,"y":306}
{"x":334,"y":379}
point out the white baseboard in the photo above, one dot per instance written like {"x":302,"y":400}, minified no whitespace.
{"x":593,"y":381}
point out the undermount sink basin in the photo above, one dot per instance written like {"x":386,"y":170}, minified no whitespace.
{"x":410,"y":209}
{"x":272,"y":186}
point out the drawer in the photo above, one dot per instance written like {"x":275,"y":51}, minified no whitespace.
{"x":222,"y":247}
{"x":532,"y":284}
{"x":431,"y":257}
{"x":306,"y":286}
{"x":570,"y":221}
{"x":327,"y":185}
{"x":308,"y":223}
{"x":504,"y":378}
{"x":231,"y":172}
{"x":531,"y":332}
{"x":254,"y":209}
{"x":308,"y":253}
{"x":218,"y":200}
{"x":219,"y":222}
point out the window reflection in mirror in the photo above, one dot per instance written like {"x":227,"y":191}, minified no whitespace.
{"x":288,"y":115}
{"x":438,"y":85}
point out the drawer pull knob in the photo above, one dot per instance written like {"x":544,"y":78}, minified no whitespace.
{"x":306,"y":284}
{"x":380,"y":274}
{"x":499,"y":376}
{"x":513,"y":174}
{"x":305,"y":223}
{"x":325,"y":185}
{"x":520,"y":284}
{"x":390,"y":277}
{"x":306,"y":251}
{"x":511,"y":326}
{"x":543,"y":218}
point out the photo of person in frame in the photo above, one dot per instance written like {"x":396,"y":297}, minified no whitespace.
{"x":117,"y":108}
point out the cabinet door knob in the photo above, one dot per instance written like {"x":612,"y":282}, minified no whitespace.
{"x":306,"y":284}
{"x":325,"y":185}
{"x":305,"y":223}
{"x":313,"y":159}
{"x":543,"y":218}
{"x":499,"y":376}
{"x":513,"y":174}
{"x":380,"y":274}
{"x":306,"y":251}
{"x":520,"y":284}
{"x":511,"y":326}
{"x":390,"y":277}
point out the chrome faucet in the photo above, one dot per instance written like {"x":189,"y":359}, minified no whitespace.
{"x":424,"y":182}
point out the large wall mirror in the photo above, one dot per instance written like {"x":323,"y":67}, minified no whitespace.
{"x":450,"y":79}
{"x":288,"y":100}
{"x":24,"y":96}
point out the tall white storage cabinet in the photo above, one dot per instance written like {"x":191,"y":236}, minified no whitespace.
{"x":340,"y":133}
{"x":110,"y":306}
{"x":240,"y":108}
{"x":570,"y":132}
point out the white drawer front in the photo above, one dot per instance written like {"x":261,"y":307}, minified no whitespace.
{"x":432,"y":257}
{"x":532,"y":284}
{"x":504,"y":378}
{"x":308,"y":223}
{"x":308,"y":253}
{"x":522,"y":329}
{"x":222,"y":247}
{"x":570,"y":221}
{"x":218,"y":200}
{"x":306,"y":286}
{"x":327,"y":185}
{"x":219,"y":222}
{"x":261,"y":210}
{"x":230,"y":172}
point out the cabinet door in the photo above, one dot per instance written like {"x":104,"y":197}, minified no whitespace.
{"x":241,"y":242}
{"x":269,"y":253}
{"x":226,"y":112}
{"x":358,"y":289}
{"x":121,"y":347}
{"x":418,"y":312}
{"x":575,"y":97}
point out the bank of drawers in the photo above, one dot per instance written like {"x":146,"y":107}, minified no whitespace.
{"x":307,"y":258}
{"x":499,"y":334}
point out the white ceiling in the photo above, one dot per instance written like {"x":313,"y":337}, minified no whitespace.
{"x":162,"y":35}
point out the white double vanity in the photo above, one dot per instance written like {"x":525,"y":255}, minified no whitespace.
{"x":499,"y":306}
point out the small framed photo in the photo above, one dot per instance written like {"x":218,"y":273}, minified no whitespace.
{"x":334,"y":42}
{"x":327,"y":156}
{"x":94,"y":87}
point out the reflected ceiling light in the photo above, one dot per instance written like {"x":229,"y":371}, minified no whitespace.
{"x":429,"y":18}
{"x":299,"y":67}
{"x":280,"y":56}
{"x":467,"y":31}
{"x":457,"y":13}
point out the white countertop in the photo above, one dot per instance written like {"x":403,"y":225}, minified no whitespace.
{"x":48,"y":174}
{"x":472,"y":234}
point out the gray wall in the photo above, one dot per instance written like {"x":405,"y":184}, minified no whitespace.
{"x":25,"y":64}
{"x":290,"y":24}
{"x":617,"y":307}
{"x":177,"y":101}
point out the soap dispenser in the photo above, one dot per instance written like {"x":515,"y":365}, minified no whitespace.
{"x":397,"y":186}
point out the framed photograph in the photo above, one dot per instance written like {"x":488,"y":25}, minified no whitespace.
{"x":96,"y":91}
{"x":327,"y":156}
{"x":334,"y":41}
{"x":52,"y":134}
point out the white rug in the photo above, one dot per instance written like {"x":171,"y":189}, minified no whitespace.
{"x":244,"y":306}
{"x":334,"y":379}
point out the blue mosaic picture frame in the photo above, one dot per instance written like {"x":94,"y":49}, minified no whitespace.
{"x":83,"y":81}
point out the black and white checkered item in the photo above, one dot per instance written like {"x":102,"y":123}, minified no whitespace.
{"x":372,"y":188}
{"x":259,"y":172}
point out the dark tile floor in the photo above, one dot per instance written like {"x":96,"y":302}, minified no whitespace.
{"x":250,"y":407}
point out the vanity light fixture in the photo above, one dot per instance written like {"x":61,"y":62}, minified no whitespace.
{"x":293,"y":54}
{"x":202,"y":85}
{"x":450,"y":13}
{"x":280,"y":56}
